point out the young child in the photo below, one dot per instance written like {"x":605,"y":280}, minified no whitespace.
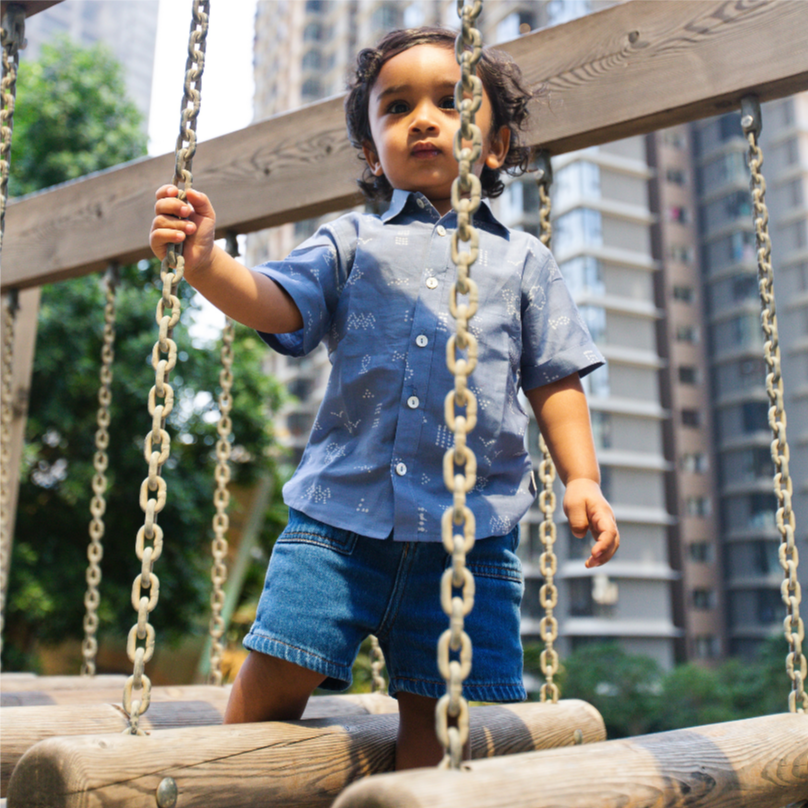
{"x":362,"y":552}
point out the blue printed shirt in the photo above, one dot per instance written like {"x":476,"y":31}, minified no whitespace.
{"x":375,"y":289}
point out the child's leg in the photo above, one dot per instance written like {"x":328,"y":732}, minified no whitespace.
{"x":270,"y":689}
{"x":418,"y":745}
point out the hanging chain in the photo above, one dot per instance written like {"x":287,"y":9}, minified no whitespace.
{"x":12,"y":38}
{"x":221,"y":496}
{"x":10,"y":306}
{"x":457,"y":525}
{"x":98,"y":504}
{"x":796,"y":664}
{"x":377,"y":666}
{"x":548,"y":563}
{"x":137,"y":691}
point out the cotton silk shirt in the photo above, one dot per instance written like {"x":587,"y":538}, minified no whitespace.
{"x":376,"y":289}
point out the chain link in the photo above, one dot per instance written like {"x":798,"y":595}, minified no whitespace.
{"x":548,"y":563}
{"x":457,"y":524}
{"x":98,"y":504}
{"x":12,"y":38}
{"x":377,"y":666}
{"x":221,"y":496}
{"x":10,"y":306}
{"x":137,"y":691}
{"x":796,"y":664}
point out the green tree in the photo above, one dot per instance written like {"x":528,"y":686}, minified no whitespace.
{"x":81,"y":122}
{"x":72,"y":117}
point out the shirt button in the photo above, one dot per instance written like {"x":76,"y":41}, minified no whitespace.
{"x":413,"y":402}
{"x":432,"y":283}
{"x":422,"y":341}
{"x":419,"y":202}
{"x":401,"y":469}
{"x":441,"y":230}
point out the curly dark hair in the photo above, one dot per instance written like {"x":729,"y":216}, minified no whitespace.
{"x":501,"y":77}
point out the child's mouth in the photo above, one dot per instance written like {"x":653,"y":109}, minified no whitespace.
{"x":425,"y":151}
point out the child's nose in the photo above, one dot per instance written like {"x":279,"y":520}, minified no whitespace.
{"x":423,"y":119}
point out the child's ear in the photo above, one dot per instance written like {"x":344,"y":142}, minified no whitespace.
{"x":498,"y":147}
{"x":372,"y":159}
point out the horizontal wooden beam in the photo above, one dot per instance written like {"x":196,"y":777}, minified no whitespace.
{"x":627,"y":70}
{"x":294,"y":763}
{"x":761,"y":762}
{"x":30,"y":7}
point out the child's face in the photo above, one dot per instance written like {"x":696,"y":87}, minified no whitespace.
{"x":413,"y":123}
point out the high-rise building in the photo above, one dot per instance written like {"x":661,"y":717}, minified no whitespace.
{"x":128,"y":29}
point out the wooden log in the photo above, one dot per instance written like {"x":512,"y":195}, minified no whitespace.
{"x":31,"y":6}
{"x":760,"y":762}
{"x":625,"y":71}
{"x":284,"y":764}
{"x":203,"y":706}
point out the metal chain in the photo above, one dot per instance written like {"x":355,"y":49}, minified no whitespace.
{"x":137,"y":691}
{"x":796,"y":664}
{"x":457,"y":525}
{"x":12,"y":38}
{"x":98,"y":504}
{"x":221,"y":496}
{"x":377,"y":666}
{"x":548,"y":563}
{"x":10,"y":306}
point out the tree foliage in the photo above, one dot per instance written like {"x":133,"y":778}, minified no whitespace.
{"x":72,"y":117}
{"x":83,"y":123}
{"x":635,"y":696}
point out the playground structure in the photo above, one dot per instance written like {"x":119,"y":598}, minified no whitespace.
{"x":628,"y":70}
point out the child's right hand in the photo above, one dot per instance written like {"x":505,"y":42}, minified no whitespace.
{"x":192,"y":222}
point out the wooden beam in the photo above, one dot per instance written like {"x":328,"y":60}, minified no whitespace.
{"x":240,"y":766}
{"x":624,"y":71}
{"x":761,"y":762}
{"x":31,"y":7}
{"x":191,"y":706}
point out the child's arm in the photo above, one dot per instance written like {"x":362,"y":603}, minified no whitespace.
{"x":563,"y":418}
{"x":247,"y":296}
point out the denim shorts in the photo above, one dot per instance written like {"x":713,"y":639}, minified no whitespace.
{"x":327,"y":589}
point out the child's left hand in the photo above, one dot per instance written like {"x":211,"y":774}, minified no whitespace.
{"x":587,"y":509}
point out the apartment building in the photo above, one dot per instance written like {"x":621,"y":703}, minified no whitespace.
{"x":128,"y":29}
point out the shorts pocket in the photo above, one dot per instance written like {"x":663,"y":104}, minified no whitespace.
{"x":495,"y":558}
{"x":303,"y":529}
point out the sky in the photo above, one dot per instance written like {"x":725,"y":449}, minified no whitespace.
{"x":227,"y":87}
{"x":227,"y":83}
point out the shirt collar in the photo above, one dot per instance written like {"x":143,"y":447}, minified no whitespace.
{"x":402,"y":199}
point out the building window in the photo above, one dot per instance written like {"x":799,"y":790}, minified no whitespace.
{"x":702,"y":599}
{"x":601,"y":429}
{"x":312,"y":60}
{"x":684,"y":294}
{"x":583,"y":275}
{"x":595,"y":319}
{"x":691,"y":418}
{"x":744,"y":287}
{"x":755,"y":416}
{"x":700,"y":552}
{"x":688,"y":374}
{"x":698,"y":506}
{"x":674,"y":139}
{"x":596,"y":383}
{"x":678,"y":213}
{"x":770,"y":607}
{"x":687,"y":333}
{"x":682,"y":254}
{"x":695,"y":463}
{"x":676,"y":176}
{"x":313,"y":32}
{"x":576,"y":181}
{"x":706,"y":646}
{"x":579,"y":228}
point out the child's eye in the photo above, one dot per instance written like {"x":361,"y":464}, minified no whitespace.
{"x":448,"y":102}
{"x":398,"y":107}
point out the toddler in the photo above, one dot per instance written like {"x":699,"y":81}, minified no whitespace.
{"x":362,"y":553}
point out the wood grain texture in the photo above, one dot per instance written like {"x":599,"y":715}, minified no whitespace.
{"x":759,"y":762}
{"x":20,"y":682}
{"x":285,"y":764}
{"x":31,"y":6}
{"x":627,"y":70}
{"x":171,"y":707}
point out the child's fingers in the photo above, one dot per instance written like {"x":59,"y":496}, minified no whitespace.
{"x":578,"y":519}
{"x":166,"y":191}
{"x":607,"y":537}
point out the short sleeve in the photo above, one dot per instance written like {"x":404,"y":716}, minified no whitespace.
{"x":313,"y":275}
{"x":555,"y":340}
